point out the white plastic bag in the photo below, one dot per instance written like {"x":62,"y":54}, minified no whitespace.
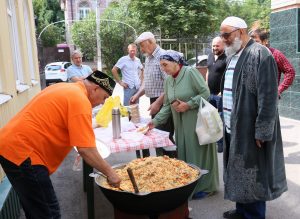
{"x":209,"y":126}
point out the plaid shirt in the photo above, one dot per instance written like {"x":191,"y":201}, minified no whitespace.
{"x":153,"y":75}
{"x":285,"y":67}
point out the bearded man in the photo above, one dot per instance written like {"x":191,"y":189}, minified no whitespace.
{"x":254,"y":169}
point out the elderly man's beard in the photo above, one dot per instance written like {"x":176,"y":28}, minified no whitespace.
{"x":234,"y":47}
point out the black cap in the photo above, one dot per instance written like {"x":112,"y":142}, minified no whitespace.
{"x":103,"y":80}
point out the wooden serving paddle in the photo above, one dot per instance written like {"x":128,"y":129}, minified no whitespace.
{"x":132,"y":179}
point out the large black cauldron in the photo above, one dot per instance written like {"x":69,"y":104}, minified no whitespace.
{"x":153,"y":203}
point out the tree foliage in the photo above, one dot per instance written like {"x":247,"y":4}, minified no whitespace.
{"x":84,"y":36}
{"x":47,"y":12}
{"x":255,"y":12}
{"x":52,"y":36}
{"x":187,"y":18}
{"x":179,"y":18}
{"x":116,"y":36}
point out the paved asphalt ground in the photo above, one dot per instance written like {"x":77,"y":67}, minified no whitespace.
{"x":69,"y":187}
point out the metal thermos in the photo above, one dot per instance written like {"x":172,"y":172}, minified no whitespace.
{"x":116,"y":123}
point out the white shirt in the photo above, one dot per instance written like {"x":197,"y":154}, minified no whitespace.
{"x":130,"y":70}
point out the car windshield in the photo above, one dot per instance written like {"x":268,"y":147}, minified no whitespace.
{"x":53,"y":67}
{"x":191,"y":62}
{"x":203,"y":63}
{"x":67,"y":65}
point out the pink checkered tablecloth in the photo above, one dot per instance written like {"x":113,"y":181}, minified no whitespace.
{"x":152,"y":139}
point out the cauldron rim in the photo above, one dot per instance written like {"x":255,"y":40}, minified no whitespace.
{"x":117,"y":166}
{"x":152,"y":202}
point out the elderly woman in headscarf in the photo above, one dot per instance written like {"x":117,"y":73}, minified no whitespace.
{"x":183,"y":89}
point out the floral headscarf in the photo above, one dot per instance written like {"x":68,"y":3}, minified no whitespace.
{"x":173,"y":56}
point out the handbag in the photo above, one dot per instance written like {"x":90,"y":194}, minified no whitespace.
{"x":209,"y":126}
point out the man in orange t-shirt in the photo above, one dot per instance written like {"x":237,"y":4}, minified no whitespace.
{"x":35,"y":142}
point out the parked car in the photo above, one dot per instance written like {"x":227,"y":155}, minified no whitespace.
{"x":201,"y":64}
{"x":56,"y":72}
{"x":202,"y":61}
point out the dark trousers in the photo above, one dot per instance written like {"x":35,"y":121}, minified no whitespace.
{"x":168,"y":127}
{"x":254,"y":210}
{"x":34,"y":189}
{"x":216,"y":101}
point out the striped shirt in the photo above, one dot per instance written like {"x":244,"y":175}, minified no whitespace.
{"x":227,"y":93}
{"x":153,"y":76}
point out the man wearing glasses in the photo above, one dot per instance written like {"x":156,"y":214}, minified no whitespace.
{"x":254,"y":169}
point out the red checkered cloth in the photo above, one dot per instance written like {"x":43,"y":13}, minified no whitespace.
{"x":152,"y":139}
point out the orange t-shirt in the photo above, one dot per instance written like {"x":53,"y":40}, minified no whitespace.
{"x":47,"y":128}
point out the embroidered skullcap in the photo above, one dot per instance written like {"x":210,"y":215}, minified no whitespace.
{"x":144,"y":36}
{"x":173,"y":56}
{"x":103,"y":80}
{"x":234,"y":22}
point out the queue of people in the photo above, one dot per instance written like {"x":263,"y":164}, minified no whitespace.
{"x":242,"y":80}
{"x":253,"y":158}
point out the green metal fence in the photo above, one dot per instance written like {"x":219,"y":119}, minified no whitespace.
{"x":189,"y":47}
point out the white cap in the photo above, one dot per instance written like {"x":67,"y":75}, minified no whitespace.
{"x":144,"y":36}
{"x":234,"y":22}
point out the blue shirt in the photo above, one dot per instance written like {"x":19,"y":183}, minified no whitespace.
{"x":78,"y":71}
{"x":130,"y":71}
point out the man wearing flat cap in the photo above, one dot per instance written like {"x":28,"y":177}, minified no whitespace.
{"x":34,"y":142}
{"x":153,"y":83}
{"x":254,"y":169}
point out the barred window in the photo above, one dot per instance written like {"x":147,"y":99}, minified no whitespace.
{"x":84,"y":10}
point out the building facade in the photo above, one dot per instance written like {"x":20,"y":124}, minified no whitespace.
{"x":19,"y":72}
{"x":285,"y":36}
{"x":19,"y":78}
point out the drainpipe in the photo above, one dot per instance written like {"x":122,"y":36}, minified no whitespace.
{"x":72,"y":17}
{"x":69,"y":29}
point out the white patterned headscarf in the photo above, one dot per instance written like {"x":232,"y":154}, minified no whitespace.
{"x":173,"y":56}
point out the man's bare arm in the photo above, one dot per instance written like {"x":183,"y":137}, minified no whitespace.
{"x":93,"y":158}
{"x":115,"y":74}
